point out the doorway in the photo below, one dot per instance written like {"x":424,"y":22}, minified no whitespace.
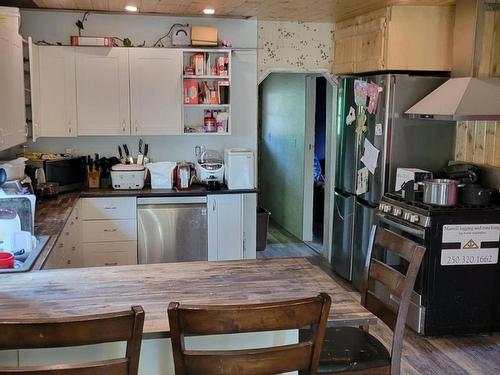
{"x":295,"y":166}
{"x":319,"y":169}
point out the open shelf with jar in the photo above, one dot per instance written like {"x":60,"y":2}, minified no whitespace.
{"x":207,"y":91}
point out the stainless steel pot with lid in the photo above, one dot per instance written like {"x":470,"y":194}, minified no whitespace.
{"x":440,"y":192}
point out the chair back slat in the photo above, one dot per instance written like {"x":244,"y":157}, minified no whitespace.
{"x":76,"y":331}
{"x":391,"y":278}
{"x":395,"y":243}
{"x":381,"y":310}
{"x":256,"y":362}
{"x":212,"y":320}
{"x":401,"y":285}
{"x":110,"y":367}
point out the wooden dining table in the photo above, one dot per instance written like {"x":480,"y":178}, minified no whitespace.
{"x":82,"y":291}
{"x":61,"y":293}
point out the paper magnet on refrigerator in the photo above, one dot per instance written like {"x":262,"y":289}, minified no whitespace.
{"x":362,"y":181}
{"x":360,"y":92}
{"x":373,"y":93}
{"x":361,"y":121}
{"x":370,"y":156}
{"x":351,"y":116}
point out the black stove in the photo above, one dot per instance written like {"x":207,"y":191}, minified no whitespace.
{"x":457,"y":290}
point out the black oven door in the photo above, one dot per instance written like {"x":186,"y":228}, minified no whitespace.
{"x":412,"y":232}
{"x":416,"y":312}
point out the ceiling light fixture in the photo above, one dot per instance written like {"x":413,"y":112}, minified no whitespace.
{"x":209,"y":11}
{"x":131,"y":8}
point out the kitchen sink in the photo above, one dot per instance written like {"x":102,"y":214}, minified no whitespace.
{"x":27,"y":264}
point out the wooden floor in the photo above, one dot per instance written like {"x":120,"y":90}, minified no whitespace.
{"x":466,"y":355}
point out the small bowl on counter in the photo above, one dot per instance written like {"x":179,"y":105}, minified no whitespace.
{"x":6,"y":260}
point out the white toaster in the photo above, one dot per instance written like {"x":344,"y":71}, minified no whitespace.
{"x":128,"y":176}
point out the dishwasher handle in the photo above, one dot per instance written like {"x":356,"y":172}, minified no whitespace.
{"x":171,"y":200}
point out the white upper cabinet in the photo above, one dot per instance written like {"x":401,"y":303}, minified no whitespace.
{"x":156,"y":91}
{"x":102,"y":81}
{"x":12,"y":103}
{"x":54,"y":92}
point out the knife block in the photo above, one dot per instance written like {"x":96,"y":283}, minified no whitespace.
{"x":94,"y":179}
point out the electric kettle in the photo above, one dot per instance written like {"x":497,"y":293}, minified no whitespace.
{"x":9,"y":224}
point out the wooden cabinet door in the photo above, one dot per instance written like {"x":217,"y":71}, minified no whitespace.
{"x":371,"y":46}
{"x":102,"y":82}
{"x":225,"y":227}
{"x":56,"y":93}
{"x":156,"y":91}
{"x":12,"y":103}
{"x":345,"y":50}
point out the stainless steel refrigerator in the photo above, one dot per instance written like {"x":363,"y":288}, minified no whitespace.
{"x":402,"y":142}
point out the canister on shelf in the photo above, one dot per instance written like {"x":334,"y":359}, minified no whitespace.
{"x":209,"y":124}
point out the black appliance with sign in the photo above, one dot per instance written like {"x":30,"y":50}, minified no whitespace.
{"x":69,"y":172}
{"x":457,"y":288}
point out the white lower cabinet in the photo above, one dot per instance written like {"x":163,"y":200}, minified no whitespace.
{"x":103,"y":231}
{"x":67,"y":251}
{"x":109,"y":254}
{"x":225,"y":227}
{"x":109,"y":231}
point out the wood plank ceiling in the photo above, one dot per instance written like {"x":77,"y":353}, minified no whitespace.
{"x":282,"y":10}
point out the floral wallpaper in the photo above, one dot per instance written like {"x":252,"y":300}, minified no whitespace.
{"x":294,"y":45}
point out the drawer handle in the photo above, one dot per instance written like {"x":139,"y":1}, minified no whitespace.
{"x":111,"y":264}
{"x":110,"y":230}
{"x":110,"y":208}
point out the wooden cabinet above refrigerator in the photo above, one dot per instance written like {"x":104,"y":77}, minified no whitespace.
{"x":395,"y":38}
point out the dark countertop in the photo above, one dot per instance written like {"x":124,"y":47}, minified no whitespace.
{"x":195,"y":190}
{"x":51,"y":214}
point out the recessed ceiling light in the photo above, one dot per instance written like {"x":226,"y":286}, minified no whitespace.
{"x":131,"y":8}
{"x":209,"y":11}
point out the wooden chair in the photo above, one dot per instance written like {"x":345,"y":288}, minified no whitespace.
{"x":212,"y":320}
{"x":351,"y":350}
{"x":84,"y":330}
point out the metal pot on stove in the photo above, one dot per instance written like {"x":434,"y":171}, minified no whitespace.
{"x":440,"y":192}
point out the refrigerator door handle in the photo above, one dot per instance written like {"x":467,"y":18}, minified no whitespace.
{"x":342,"y":194}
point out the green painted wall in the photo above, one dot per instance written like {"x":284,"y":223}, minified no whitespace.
{"x":281,"y":167}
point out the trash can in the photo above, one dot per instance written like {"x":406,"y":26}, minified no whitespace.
{"x":262,"y":225}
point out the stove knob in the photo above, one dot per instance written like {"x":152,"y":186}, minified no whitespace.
{"x":397,"y":211}
{"x":407,"y":216}
{"x":414,"y":219}
{"x":381,"y":207}
{"x":387,"y":208}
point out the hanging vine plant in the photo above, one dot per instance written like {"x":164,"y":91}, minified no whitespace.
{"x":80,"y":23}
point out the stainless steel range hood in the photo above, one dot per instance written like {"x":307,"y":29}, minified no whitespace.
{"x":465,"y":96}
{"x":460,"y":99}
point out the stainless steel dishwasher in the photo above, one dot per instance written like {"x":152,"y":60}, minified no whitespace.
{"x":172,"y":229}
